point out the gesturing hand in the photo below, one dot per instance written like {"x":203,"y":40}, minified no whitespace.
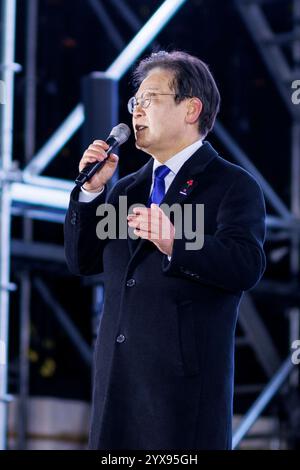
{"x":152,"y":224}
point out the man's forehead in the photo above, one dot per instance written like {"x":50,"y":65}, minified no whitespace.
{"x":156,"y":79}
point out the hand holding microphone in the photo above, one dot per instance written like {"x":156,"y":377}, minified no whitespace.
{"x":98,"y":164}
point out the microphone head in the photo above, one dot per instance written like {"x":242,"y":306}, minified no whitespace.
{"x":120,"y":133}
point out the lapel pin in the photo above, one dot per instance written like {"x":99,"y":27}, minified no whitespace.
{"x":186,"y":188}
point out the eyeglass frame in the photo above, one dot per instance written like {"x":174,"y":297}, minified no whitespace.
{"x":151,"y":95}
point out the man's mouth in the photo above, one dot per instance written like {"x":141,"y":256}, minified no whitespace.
{"x":140,"y":128}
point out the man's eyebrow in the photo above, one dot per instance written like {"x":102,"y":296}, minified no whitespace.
{"x":149,"y":88}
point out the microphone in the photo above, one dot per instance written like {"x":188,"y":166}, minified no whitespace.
{"x":119,"y":134}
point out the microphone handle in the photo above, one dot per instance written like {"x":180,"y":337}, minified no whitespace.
{"x":89,"y":170}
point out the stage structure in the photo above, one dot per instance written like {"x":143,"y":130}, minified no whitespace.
{"x":30,"y":195}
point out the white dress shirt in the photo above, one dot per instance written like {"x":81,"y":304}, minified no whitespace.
{"x":174,"y":163}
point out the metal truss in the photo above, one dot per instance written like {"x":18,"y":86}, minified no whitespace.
{"x":26,"y":192}
{"x":8,"y":68}
{"x":34,"y":196}
{"x":270,"y":47}
{"x":274,"y":385}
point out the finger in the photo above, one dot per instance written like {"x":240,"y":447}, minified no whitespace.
{"x":140,"y":226}
{"x":152,"y":237}
{"x":102,"y":143}
{"x":86,"y":160}
{"x":155,"y":209}
{"x":97,"y":148}
{"x":157,"y":229}
{"x":113,"y":158}
{"x":146,"y":220}
{"x":142,"y":233}
{"x":96,"y":154}
{"x":139,"y":219}
{"x":153,"y":232}
{"x":141,"y":210}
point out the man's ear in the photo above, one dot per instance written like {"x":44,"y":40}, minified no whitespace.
{"x":194,"y":109}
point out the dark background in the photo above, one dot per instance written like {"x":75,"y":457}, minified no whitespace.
{"x":71,"y":44}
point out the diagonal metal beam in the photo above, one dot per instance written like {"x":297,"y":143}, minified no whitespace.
{"x":56,"y":142}
{"x":263,"y":36}
{"x":263,"y":400}
{"x":129,"y":16}
{"x":143,"y":38}
{"x":258,"y":336}
{"x":242,"y":158}
{"x":117,"y":69}
{"x":107,"y":24}
{"x":65,"y":322}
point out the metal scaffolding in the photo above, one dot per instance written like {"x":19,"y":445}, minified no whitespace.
{"x":270,"y":47}
{"x":8,"y":69}
{"x":20,"y":190}
{"x":28,"y":187}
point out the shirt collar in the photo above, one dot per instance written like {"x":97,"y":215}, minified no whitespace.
{"x":176,"y":162}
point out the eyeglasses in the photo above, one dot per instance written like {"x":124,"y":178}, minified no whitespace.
{"x":145,"y":100}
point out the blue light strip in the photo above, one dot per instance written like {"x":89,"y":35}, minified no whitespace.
{"x":40,"y":195}
{"x":56,"y":142}
{"x":48,"y":182}
{"x":143,"y":38}
{"x":117,"y":69}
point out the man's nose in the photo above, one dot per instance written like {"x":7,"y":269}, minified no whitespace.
{"x":138,"y":110}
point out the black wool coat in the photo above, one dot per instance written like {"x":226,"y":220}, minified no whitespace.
{"x":164,"y":356}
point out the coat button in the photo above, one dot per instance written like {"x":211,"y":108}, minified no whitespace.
{"x":120,"y":339}
{"x":73,"y":218}
{"x":130,"y":283}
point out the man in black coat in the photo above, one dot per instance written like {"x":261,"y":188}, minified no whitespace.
{"x":164,"y":357}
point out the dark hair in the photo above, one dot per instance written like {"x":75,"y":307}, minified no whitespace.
{"x":191,"y":78}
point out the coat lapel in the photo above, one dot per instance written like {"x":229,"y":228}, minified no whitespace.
{"x":138,"y":193}
{"x":179,"y":191}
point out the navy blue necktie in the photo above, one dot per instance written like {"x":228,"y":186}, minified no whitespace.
{"x":158,"y":191}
